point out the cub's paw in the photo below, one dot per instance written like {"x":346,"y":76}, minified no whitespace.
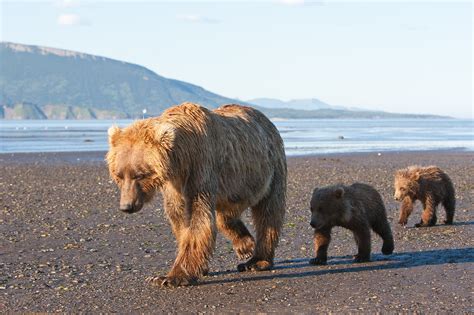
{"x":422,"y":224}
{"x":171,"y":282}
{"x":318,"y":261}
{"x":255,"y":265}
{"x":448,"y":222}
{"x":403,"y":222}
{"x":361,"y":258}
{"x":387,"y":249}
{"x":244,"y":247}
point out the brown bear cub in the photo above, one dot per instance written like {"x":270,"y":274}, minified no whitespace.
{"x":431,"y":186}
{"x":357,"y":207}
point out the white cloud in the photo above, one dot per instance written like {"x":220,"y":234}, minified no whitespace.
{"x":70,"y":20}
{"x":197,"y":19}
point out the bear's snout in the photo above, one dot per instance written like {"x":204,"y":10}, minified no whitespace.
{"x":129,"y":208}
{"x":313,"y":224}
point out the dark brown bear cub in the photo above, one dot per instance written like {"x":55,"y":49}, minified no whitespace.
{"x":358,"y":208}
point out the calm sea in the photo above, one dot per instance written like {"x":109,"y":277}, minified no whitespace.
{"x":311,"y":136}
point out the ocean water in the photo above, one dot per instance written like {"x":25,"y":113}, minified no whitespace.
{"x":301,"y":137}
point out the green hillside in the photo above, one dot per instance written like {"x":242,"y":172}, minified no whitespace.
{"x":47,"y":76}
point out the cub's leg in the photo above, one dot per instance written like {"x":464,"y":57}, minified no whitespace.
{"x":321,"y":239}
{"x":428,"y":217}
{"x":449,"y":205}
{"x":406,"y":208}
{"x":362,"y":238}
{"x":382,"y":228}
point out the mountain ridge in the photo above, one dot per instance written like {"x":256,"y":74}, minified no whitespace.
{"x":50,"y":76}
{"x":39,"y":82}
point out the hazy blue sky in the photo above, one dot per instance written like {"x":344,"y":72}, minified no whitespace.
{"x":394,"y":56}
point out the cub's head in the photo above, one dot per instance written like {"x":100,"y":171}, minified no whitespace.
{"x":329,"y":207}
{"x":406,"y":183}
{"x":137,"y":162}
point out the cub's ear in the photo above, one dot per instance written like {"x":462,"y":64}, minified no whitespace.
{"x":416,"y":176}
{"x":113,"y":133}
{"x":339,"y":192}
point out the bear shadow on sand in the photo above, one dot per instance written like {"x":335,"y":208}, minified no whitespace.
{"x":441,"y":225}
{"x":394,"y":261}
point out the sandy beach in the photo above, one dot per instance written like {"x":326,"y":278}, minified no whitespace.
{"x":65,"y":246}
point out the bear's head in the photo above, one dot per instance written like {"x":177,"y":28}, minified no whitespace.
{"x":138,"y":161}
{"x":406,"y":183}
{"x":329,"y":207}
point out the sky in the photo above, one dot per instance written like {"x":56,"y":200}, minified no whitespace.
{"x":400,"y":56}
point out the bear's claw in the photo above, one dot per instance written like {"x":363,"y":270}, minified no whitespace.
{"x":170,"y":281}
{"x":244,"y":248}
{"x":255,"y":265}
{"x":403,"y":222}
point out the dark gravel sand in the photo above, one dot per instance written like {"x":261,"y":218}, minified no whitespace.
{"x":64,"y":245}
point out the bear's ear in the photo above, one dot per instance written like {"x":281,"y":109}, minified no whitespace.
{"x":113,"y":133}
{"x":165,"y":134}
{"x":416,"y":176}
{"x":339,"y":192}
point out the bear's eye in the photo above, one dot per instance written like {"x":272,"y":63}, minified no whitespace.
{"x":120,"y":176}
{"x":138,"y":176}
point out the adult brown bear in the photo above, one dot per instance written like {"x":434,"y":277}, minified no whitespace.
{"x":210,"y":166}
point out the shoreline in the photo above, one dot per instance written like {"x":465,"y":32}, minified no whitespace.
{"x":78,"y":157}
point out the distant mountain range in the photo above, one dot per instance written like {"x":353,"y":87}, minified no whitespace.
{"x":47,"y":83}
{"x":301,"y":104}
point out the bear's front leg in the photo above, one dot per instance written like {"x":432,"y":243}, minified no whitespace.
{"x":321,"y":239}
{"x":195,"y":244}
{"x":406,"y":208}
{"x":362,"y":238}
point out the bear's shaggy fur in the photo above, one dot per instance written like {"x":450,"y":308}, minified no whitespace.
{"x":358,"y":207}
{"x":210,"y":166}
{"x":431,"y":186}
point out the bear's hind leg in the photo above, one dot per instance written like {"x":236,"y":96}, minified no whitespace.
{"x":236,"y":231}
{"x":449,"y":205}
{"x":362,"y":238}
{"x":385,"y":232}
{"x":268,"y":217}
{"x":428,"y":217}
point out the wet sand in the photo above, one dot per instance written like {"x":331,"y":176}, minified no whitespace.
{"x":64,"y":245}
